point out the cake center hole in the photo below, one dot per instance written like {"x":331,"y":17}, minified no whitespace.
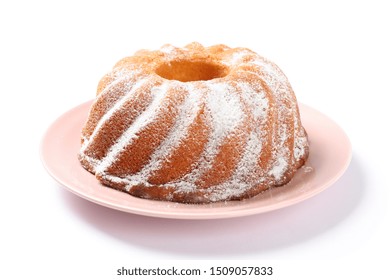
{"x":188,"y":71}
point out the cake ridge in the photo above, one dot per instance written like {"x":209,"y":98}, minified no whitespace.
{"x":187,"y":112}
{"x":107,"y":95}
{"x":111,"y":111}
{"x":130,"y":133}
{"x":220,"y":124}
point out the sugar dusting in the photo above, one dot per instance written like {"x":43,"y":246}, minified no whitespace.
{"x":246,"y":174}
{"x":111,"y":112}
{"x":130,"y":134}
{"x":187,"y":113}
{"x":224,"y":114}
{"x":224,"y":111}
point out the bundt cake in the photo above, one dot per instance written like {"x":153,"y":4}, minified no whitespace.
{"x":194,"y":125}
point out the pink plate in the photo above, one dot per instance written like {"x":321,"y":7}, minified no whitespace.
{"x":330,"y":154}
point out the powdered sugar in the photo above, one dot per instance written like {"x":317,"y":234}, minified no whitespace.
{"x":225,"y":109}
{"x":127,"y":137}
{"x":255,"y":100}
{"x":110,"y":113}
{"x":224,"y":114}
{"x":299,"y":147}
{"x":167,"y":49}
{"x":187,"y":113}
{"x":237,"y":57}
{"x":279,"y":168}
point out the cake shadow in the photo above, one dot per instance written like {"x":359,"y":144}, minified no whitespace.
{"x":229,"y":238}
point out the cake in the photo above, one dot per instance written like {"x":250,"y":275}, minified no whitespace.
{"x":194,"y":125}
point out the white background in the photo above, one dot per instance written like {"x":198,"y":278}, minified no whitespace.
{"x":52,"y":54}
